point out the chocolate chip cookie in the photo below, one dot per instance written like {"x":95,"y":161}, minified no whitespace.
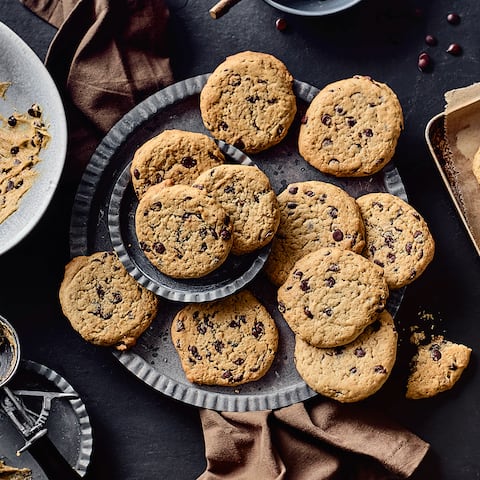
{"x":176,"y":156}
{"x":397,"y":238}
{"x":313,"y":214}
{"x":354,"y":371}
{"x":182,"y":231}
{"x":228,"y":342}
{"x":436,"y":367}
{"x":249,"y":101}
{"x":103,"y":303}
{"x":248,"y":198}
{"x":331,"y":295}
{"x":351,"y":128}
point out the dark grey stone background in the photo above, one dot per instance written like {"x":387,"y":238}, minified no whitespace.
{"x":141,"y":434}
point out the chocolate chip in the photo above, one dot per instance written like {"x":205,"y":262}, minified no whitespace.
{"x":453,"y":367}
{"x":431,"y":40}
{"x":380,"y":369}
{"x":223,"y":125}
{"x":326,"y":142}
{"x":239,"y":144}
{"x":239,"y":361}
{"x":100,"y":291}
{"x":351,"y":121}
{"x":309,"y":193}
{"x":307,"y":312}
{"x":234,"y":324}
{"x":333,"y":267}
{"x":368,"y":132}
{"x":304,"y":120}
{"x":328,"y":311}
{"x":333,"y":212}
{"x":202,"y":329}
{"x":304,"y":286}
{"x":359,"y":352}
{"x":280,"y":24}
{"x":379,"y":263}
{"x":218,"y":345}
{"x":227,"y":374}
{"x":326,"y":119}
{"x":229,"y":189}
{"x":116,"y":297}
{"x":391,"y":257}
{"x":454,"y":49}
{"x":225,"y":234}
{"x":35,"y":111}
{"x":338,"y":350}
{"x":453,"y":18}
{"x":188,"y":162}
{"x":353,"y":370}
{"x":136,"y":173}
{"x":252,"y":98}
{"x":144,"y":247}
{"x":435,"y":352}
{"x":330,"y":282}
{"x":292,"y":205}
{"x":159,"y":247}
{"x":281,"y":307}
{"x":180,"y":326}
{"x":14,"y":150}
{"x":258,"y":329}
{"x":408,"y":247}
{"x":12,"y":121}
{"x":337,"y":235}
{"x":213,"y":233}
{"x":297,"y":274}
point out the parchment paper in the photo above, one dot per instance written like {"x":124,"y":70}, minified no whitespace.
{"x":462,"y":132}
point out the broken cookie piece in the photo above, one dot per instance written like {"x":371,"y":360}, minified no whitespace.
{"x":436,"y":367}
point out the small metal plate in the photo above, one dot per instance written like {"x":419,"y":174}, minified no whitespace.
{"x":236,"y":272}
{"x":68,"y":422}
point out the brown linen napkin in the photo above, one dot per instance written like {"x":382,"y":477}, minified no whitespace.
{"x":315,"y":440}
{"x":106,"y":57}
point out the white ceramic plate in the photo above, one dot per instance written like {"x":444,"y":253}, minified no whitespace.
{"x":312,"y":8}
{"x":31,"y":83}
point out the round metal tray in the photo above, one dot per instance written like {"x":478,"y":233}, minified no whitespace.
{"x":154,"y":359}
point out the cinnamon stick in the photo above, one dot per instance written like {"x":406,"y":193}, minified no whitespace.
{"x":222,"y":7}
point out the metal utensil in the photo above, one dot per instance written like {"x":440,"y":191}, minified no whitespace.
{"x":32,"y":425}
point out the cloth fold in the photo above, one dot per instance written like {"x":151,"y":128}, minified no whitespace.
{"x":317,"y":440}
{"x":106,"y":57}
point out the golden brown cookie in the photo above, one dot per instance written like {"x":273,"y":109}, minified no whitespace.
{"x":177,"y":156}
{"x":354,"y":371}
{"x":351,"y":128}
{"x":436,"y":367}
{"x":248,"y":101}
{"x":228,"y":342}
{"x":182,"y":231}
{"x":103,"y":303}
{"x":331,"y":295}
{"x":397,"y":238}
{"x":313,"y":214}
{"x":248,"y":198}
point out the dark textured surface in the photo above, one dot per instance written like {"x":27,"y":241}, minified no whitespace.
{"x":141,"y":434}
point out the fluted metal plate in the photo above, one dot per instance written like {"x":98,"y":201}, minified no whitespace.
{"x":154,"y":359}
